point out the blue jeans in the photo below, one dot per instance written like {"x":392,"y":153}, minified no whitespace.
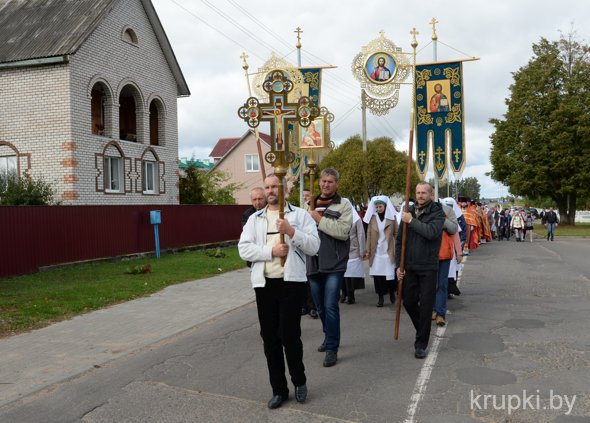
{"x":550,"y":230}
{"x":442,"y":287}
{"x":325,"y":290}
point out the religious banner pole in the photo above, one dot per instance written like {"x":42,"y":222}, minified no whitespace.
{"x":312,"y":165}
{"x":400,"y":283}
{"x":434,"y":37}
{"x":245,"y":66}
{"x":301,"y":157}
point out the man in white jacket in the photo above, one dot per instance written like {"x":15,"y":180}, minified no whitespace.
{"x":280,"y":290}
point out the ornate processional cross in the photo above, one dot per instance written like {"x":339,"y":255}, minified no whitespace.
{"x":280,"y":113}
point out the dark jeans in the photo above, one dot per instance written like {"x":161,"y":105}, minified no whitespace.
{"x":279,"y":314}
{"x":419,"y":298}
{"x":325,"y":288}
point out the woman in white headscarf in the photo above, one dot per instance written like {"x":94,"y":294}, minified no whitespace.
{"x":381,"y":233}
{"x":354,"y":278}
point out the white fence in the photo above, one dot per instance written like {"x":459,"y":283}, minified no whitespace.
{"x":582,"y":216}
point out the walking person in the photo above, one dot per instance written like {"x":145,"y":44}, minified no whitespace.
{"x":423,"y":238}
{"x":354,"y":277}
{"x":528,"y":225}
{"x":325,"y":270}
{"x":517,"y":224}
{"x":552,"y":221}
{"x":445,"y":255}
{"x":280,"y":288}
{"x":381,"y":233}
{"x":258,"y":200}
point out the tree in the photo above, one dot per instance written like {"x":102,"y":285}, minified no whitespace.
{"x":468,"y":187}
{"x":198,"y":187}
{"x":542,"y":146}
{"x":382,"y":170}
{"x":25,"y":191}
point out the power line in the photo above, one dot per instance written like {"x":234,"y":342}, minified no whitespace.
{"x":213,"y":28}
{"x":238,"y":25}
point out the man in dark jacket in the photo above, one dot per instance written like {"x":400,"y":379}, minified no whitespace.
{"x":551,"y":220}
{"x":424,"y":234}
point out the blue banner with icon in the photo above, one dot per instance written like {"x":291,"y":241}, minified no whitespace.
{"x":440,"y":118}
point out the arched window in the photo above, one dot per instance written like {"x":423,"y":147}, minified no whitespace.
{"x":128,"y":101}
{"x":97,"y":107}
{"x":130,"y":36}
{"x":156,"y":123}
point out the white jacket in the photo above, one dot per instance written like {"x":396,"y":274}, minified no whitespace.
{"x":305,"y":241}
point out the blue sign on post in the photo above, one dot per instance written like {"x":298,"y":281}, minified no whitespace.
{"x":156,"y":219}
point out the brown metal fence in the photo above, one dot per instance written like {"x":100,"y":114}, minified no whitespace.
{"x":35,"y":236}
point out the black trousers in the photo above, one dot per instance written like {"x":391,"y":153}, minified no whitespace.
{"x":384,"y":286}
{"x":419,"y":299}
{"x":279,"y":314}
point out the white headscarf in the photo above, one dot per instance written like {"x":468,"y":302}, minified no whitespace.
{"x":390,"y":211}
{"x":450,"y":201}
{"x":355,"y":214}
{"x":399,"y":215}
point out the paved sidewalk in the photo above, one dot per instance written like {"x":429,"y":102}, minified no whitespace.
{"x":35,"y":360}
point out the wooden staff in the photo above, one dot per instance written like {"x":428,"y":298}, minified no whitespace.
{"x":281,"y":172}
{"x":311,"y":165}
{"x":402,"y":263}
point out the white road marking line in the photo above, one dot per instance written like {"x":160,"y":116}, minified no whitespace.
{"x":424,"y":376}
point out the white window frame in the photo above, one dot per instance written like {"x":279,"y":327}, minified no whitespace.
{"x":252,"y":163}
{"x":7,"y":167}
{"x":147,"y":164}
{"x":109,"y":182}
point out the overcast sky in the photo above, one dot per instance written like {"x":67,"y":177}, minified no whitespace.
{"x":208,"y":38}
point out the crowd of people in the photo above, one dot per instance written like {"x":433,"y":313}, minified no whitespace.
{"x":311,"y":259}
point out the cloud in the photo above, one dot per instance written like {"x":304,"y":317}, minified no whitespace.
{"x":500,"y":33}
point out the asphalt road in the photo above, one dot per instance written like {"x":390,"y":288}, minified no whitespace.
{"x":516,"y":349}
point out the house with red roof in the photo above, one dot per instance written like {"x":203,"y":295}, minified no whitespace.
{"x":239,"y":158}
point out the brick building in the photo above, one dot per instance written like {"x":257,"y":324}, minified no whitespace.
{"x":88,"y":99}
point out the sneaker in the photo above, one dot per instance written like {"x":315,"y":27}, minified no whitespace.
{"x":440,"y":321}
{"x":301,"y":393}
{"x":331,"y":358}
{"x":313,"y":313}
{"x":304,"y":311}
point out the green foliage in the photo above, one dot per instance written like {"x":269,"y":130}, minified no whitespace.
{"x":542,"y":146}
{"x":191,"y":186}
{"x":382,"y":170}
{"x":198,"y":187}
{"x":25,"y":191}
{"x":469,"y":187}
{"x":140,"y":269}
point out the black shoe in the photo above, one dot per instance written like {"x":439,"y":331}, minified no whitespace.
{"x":454,"y":289}
{"x":331,"y":358}
{"x":322,"y":348}
{"x":420,"y":353}
{"x":304,"y":311}
{"x":313,"y":313}
{"x":276,"y":401}
{"x":392,"y":297}
{"x":380,"y":302}
{"x":301,"y":393}
{"x":350,"y":300}
{"x":343,"y":298}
